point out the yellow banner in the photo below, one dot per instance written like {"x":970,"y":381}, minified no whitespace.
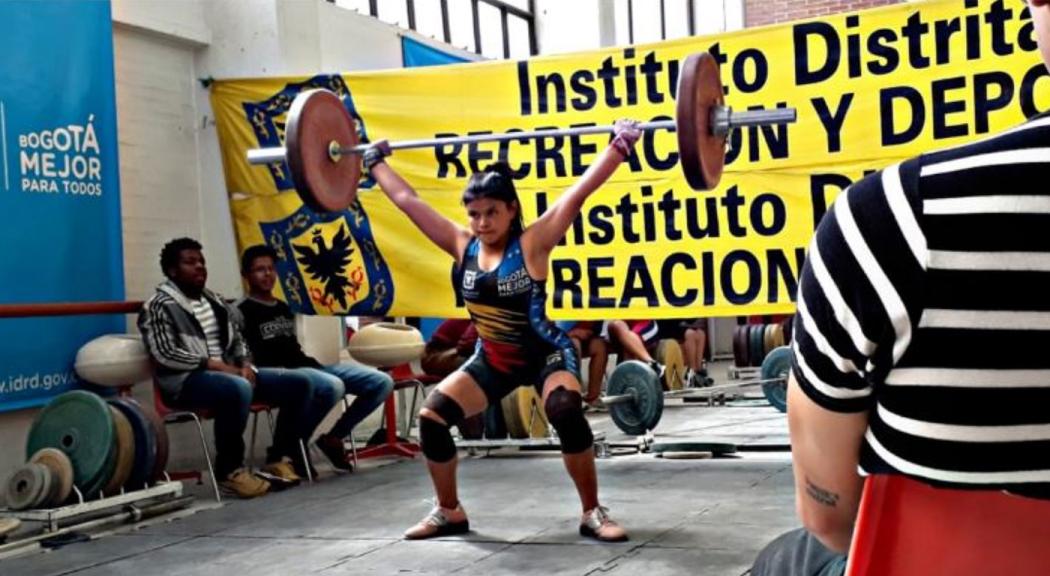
{"x":871,"y":88}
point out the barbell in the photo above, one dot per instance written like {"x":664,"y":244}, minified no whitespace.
{"x":636,"y":399}
{"x":322,"y":146}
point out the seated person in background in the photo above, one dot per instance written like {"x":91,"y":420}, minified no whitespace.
{"x":449,"y":347}
{"x":269,"y":327}
{"x":631,"y":340}
{"x":589,"y":343}
{"x":201,"y":363}
{"x":692,"y":335}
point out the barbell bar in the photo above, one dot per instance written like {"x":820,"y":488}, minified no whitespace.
{"x":724,"y":120}
{"x":635,"y":396}
{"x":686,"y":392}
{"x":322,"y":144}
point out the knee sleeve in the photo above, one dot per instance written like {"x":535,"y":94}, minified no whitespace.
{"x":565,"y":412}
{"x":445,"y":407}
{"x":436,"y":440}
{"x":434,"y":437}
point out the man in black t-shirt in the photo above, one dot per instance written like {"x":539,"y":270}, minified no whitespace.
{"x":269,"y":328}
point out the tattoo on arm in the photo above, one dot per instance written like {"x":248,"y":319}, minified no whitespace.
{"x":821,"y":495}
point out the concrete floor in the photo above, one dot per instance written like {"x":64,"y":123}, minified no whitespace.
{"x":684,"y":516}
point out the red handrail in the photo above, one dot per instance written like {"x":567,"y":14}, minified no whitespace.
{"x":68,"y":309}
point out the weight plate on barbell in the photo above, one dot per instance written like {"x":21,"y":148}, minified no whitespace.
{"x":701,"y":153}
{"x":716,"y":448}
{"x":316,"y":121}
{"x":636,"y":379}
{"x":777,"y":365}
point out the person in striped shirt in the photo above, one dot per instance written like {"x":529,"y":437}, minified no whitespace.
{"x":921,"y":335}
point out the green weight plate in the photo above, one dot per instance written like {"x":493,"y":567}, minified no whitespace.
{"x":715,"y":448}
{"x":755,"y":344}
{"x":145,"y":442}
{"x":643,"y":414}
{"x":79,"y":424}
{"x":777,"y":365}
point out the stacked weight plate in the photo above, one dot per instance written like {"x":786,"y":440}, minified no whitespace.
{"x":752,"y":342}
{"x":81,"y":440}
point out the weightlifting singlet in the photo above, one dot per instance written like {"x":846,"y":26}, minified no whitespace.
{"x":509,"y":310}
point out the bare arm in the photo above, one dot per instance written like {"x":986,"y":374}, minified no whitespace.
{"x":825,"y":449}
{"x":443,"y":232}
{"x":544,"y":234}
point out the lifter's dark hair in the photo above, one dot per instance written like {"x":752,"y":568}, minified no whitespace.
{"x":169,"y":255}
{"x":253,"y":252}
{"x":496,"y":182}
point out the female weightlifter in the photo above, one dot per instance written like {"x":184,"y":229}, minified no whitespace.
{"x":501,"y":270}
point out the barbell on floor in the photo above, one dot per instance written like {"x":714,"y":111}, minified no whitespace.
{"x":322,"y":144}
{"x":635,"y":396}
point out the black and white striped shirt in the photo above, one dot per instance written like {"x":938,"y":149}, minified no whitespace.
{"x":925,"y":299}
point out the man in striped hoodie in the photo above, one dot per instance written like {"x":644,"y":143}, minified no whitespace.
{"x":201,"y":362}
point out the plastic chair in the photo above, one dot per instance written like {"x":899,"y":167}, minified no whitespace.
{"x":175,"y":416}
{"x":905,"y":527}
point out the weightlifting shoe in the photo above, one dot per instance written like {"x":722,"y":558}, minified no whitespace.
{"x":597,"y":524}
{"x":244,"y":484}
{"x":440,"y":522}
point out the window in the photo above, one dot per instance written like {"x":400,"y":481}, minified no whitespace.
{"x":493,"y":28}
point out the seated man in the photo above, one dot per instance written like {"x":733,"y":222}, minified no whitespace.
{"x":631,"y":340}
{"x":919,"y":345}
{"x":269,"y":327}
{"x":590,"y":344}
{"x":201,"y":363}
{"x":692,"y":335}
{"x":449,"y":347}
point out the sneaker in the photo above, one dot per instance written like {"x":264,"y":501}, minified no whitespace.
{"x":659,"y":368}
{"x":440,"y":522}
{"x":284,"y":470}
{"x":597,"y":524}
{"x":335,"y":450}
{"x":244,"y":485}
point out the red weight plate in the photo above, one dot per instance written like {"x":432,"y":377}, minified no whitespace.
{"x":701,"y":153}
{"x":316,"y":120}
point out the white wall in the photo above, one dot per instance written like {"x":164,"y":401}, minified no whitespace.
{"x":170,"y":169}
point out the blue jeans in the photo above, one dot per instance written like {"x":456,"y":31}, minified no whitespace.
{"x":369,"y":386}
{"x":228,"y":397}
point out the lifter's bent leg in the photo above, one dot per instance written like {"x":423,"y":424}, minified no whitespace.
{"x":561,"y":401}
{"x":457,"y":397}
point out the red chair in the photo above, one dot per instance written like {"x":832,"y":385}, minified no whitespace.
{"x":905,"y":527}
{"x":392,"y":446}
{"x":174,"y":416}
